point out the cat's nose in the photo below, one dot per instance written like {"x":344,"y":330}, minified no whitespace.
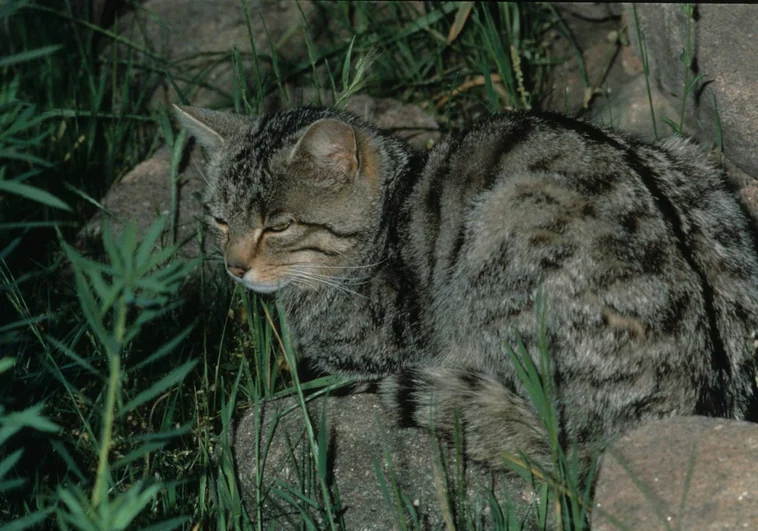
{"x":236,"y":269}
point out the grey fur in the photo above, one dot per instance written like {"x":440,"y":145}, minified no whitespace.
{"x":430,"y":264}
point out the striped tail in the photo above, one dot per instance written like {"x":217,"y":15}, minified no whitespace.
{"x":495,"y":421}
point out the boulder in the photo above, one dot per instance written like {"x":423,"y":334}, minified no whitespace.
{"x":723,"y":43}
{"x":364,"y":450}
{"x":200,"y":37}
{"x":680,"y":473}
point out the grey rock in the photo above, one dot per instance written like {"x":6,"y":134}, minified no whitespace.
{"x":628,"y":109}
{"x":724,"y":45}
{"x":680,"y":473}
{"x":594,"y":11}
{"x":200,"y":36}
{"x":144,"y":194}
{"x":594,"y":29}
{"x":362,"y":438}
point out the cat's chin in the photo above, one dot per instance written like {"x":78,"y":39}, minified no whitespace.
{"x":260,"y":287}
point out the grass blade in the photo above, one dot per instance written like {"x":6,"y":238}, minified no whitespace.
{"x":165,"y":383}
{"x":34,"y":194}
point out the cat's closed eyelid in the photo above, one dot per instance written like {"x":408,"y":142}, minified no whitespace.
{"x":278,"y":222}
{"x":279,"y":226}
{"x":221,"y":223}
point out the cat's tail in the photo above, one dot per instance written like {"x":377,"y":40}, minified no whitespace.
{"x":497,"y":425}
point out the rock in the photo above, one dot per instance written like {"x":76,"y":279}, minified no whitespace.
{"x":145,"y":192}
{"x":361,"y":438}
{"x":594,"y":29}
{"x":405,"y":120}
{"x":191,"y":33}
{"x":593,"y":11}
{"x":628,"y":109}
{"x":724,"y":45}
{"x":680,"y":473}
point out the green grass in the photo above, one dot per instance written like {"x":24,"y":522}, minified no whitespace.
{"x":117,"y":395}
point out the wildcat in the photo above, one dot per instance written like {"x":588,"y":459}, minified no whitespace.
{"x":417,"y":269}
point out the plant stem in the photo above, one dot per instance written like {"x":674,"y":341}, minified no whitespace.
{"x":286,"y":348}
{"x":687,"y":63}
{"x":645,"y":68}
{"x":114,"y":379}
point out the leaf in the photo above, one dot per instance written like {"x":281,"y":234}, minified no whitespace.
{"x":109,"y":244}
{"x":34,"y":194}
{"x":9,"y":248}
{"x":684,"y":57}
{"x":15,"y":155}
{"x":130,"y":504}
{"x":30,"y":418}
{"x":168,"y":381}
{"x":299,"y":495}
{"x":9,"y":462}
{"x":674,"y":126}
{"x":87,"y":302}
{"x":29,"y":55}
{"x":6,"y":364}
{"x":461,"y":16}
{"x":346,"y":66}
{"x":61,"y":450}
{"x":74,"y":356}
{"x":11,"y":484}
{"x":165,"y":348}
{"x":164,"y":435}
{"x":21,"y":324}
{"x":137,"y":453}
{"x":28,"y":521}
{"x":168,"y":525}
{"x":78,"y":510}
{"x":148,"y":242}
{"x":92,"y":201}
{"x":695,"y":81}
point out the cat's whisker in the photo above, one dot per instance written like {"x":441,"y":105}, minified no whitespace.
{"x":324,"y":280}
{"x":324,"y":266}
{"x":334,"y":285}
{"x":201,"y":170}
{"x":346,"y":280}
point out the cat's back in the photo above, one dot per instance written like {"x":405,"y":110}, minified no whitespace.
{"x":642,"y":253}
{"x":537,"y":182}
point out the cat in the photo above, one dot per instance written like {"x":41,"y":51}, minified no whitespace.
{"x":418,"y":269}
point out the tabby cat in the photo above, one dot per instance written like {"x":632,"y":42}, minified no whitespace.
{"x":416,"y":269}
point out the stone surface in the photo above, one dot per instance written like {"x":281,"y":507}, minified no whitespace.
{"x":628,"y":109}
{"x":724,"y":44}
{"x":360,"y":438}
{"x":594,"y":29}
{"x":592,"y":11}
{"x":680,"y":473}
{"x":200,"y":37}
{"x":144,"y":194}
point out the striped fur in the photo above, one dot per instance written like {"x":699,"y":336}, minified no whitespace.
{"x":426,"y":265}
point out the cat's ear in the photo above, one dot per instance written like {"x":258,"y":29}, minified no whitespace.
{"x":210,"y":128}
{"x":332,"y":145}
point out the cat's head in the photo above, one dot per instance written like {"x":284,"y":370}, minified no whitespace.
{"x":295,"y":195}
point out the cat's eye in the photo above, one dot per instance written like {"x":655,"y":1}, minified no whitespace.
{"x":220,"y":221}
{"x":277,"y":222}
{"x":280,"y":226}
